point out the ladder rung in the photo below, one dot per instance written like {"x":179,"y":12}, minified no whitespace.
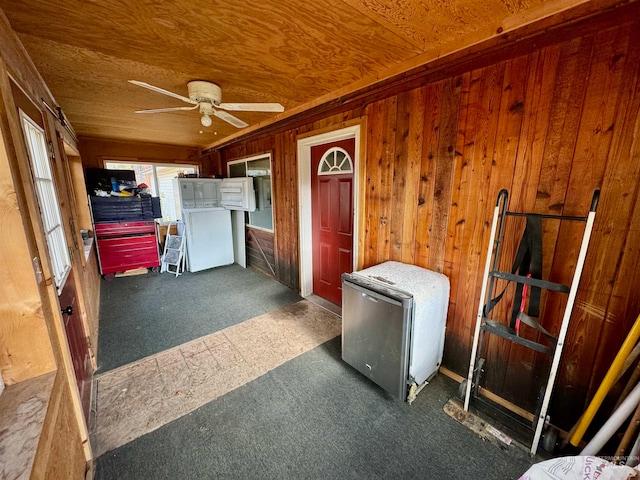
{"x":511,"y":277}
{"x":506,"y":332}
{"x":544,"y":215}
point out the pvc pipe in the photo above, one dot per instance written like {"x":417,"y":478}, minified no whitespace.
{"x":629,"y":434}
{"x":564,"y":326}
{"x":607,"y":383}
{"x":612,"y":425}
{"x":483,"y":292}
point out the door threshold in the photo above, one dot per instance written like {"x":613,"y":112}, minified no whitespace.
{"x":326,"y":304}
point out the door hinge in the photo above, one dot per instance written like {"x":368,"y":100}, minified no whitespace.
{"x":37,"y":269}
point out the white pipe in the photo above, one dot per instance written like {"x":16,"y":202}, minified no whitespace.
{"x":611,"y":426}
{"x":564,"y":327}
{"x":483,"y":292}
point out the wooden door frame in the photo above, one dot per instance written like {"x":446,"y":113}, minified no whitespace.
{"x":34,"y":231}
{"x":305,"y":237}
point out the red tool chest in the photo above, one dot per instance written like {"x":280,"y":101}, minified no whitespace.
{"x":126,"y":246}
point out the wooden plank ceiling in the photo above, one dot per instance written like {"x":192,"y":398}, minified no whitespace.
{"x":287,"y":51}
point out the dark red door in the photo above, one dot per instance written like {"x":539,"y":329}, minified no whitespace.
{"x":332,"y":216}
{"x":77,"y":339}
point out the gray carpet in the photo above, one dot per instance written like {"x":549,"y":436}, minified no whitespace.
{"x":183,"y":309}
{"x":315,"y":418}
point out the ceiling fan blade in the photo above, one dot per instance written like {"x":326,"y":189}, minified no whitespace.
{"x":162,"y":91}
{"x":162,"y":110}
{"x":252,"y":107}
{"x":227,"y":117}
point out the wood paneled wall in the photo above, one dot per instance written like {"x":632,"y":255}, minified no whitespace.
{"x":26,"y":346}
{"x":94,"y":150}
{"x":550,"y":126}
{"x":260,"y":251}
{"x":54,"y":458}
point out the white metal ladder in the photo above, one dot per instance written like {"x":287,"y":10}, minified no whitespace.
{"x":174,"y":251}
{"x":485,"y":325}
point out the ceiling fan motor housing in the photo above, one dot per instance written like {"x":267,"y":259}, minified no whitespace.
{"x":201,"y":91}
{"x":205,"y":108}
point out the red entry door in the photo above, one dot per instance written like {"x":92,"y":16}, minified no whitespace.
{"x":332,"y":216}
{"x":77,"y":340}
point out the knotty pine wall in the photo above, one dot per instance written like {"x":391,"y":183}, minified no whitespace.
{"x":550,"y":126}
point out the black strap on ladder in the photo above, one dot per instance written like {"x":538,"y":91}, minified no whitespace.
{"x":527,"y":263}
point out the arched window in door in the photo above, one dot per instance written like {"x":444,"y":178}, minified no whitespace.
{"x":335,"y":161}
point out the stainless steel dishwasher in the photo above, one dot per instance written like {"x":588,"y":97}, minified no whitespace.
{"x":393,"y":323}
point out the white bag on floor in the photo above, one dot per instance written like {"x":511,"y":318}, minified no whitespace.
{"x":583,"y":468}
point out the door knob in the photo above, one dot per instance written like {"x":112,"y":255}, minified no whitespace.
{"x":68,"y":310}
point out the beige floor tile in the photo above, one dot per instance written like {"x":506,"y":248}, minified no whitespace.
{"x":212,"y":341}
{"x":175,"y":378}
{"x":170,"y":358}
{"x":143,"y":368}
{"x":226,"y":354}
{"x":202,"y":367}
{"x":139,"y":398}
{"x":193,"y":348}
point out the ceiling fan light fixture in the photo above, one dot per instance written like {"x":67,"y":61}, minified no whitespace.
{"x":206,"y":97}
{"x":206,"y":121}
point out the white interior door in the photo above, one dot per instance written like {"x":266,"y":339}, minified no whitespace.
{"x":304,"y":192}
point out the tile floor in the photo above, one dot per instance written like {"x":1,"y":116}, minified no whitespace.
{"x":140,"y":397}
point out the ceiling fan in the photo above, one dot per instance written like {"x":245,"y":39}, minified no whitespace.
{"x":206,"y":97}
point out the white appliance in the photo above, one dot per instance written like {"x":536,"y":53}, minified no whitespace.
{"x":209,"y":239}
{"x":206,"y":213}
{"x":393,"y":325}
{"x":207,"y":224}
{"x":238,"y":194}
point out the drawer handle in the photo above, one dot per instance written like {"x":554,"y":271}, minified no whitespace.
{"x":368,"y":297}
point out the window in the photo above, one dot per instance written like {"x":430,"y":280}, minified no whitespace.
{"x":335,"y":161}
{"x":47,"y":201}
{"x":259,"y":168}
{"x":159,"y":178}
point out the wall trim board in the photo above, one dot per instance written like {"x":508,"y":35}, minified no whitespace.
{"x":490,"y":395}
